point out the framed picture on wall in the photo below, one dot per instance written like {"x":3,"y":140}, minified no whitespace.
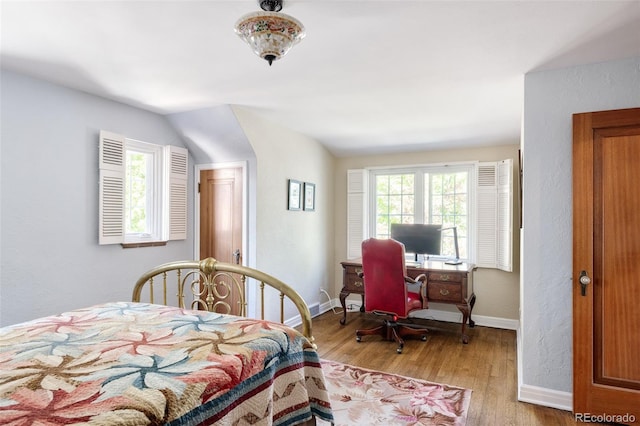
{"x":294,"y":195}
{"x":309,"y":196}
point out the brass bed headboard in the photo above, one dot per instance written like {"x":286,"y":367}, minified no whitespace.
{"x":212,"y":284}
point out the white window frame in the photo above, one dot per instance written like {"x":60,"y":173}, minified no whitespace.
{"x":490,"y":236}
{"x":154,"y":191}
{"x":419,"y":171}
{"x":168,"y":204}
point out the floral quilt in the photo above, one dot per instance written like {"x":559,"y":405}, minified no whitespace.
{"x":140,"y":364}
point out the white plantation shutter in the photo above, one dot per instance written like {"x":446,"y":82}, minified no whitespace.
{"x":112,"y":163}
{"x":177,"y":159}
{"x":111,"y":192}
{"x":487,"y":213}
{"x":356,"y":211}
{"x":505,"y":216}
{"x":494,"y":242}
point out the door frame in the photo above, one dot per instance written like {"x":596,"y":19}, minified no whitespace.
{"x":196,"y":231}
{"x":589,"y":396}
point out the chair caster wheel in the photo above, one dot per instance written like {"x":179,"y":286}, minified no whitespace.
{"x":358,"y":338}
{"x":424,"y":338}
{"x":399,"y":350}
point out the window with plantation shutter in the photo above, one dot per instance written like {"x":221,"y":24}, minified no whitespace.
{"x":475,"y":197}
{"x":431,"y":194}
{"x":143,"y":191}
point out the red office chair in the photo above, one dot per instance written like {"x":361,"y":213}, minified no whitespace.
{"x":385,"y":291}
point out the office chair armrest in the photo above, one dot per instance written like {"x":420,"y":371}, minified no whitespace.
{"x":422,"y":279}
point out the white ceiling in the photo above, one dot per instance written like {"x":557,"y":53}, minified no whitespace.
{"x":371,"y":76}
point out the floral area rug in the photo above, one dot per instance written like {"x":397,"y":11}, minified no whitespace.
{"x":367,"y":397}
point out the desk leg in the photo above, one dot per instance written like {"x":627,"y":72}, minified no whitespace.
{"x":343,"y":298}
{"x":466,"y":316}
{"x":472,"y":302}
{"x":343,"y":302}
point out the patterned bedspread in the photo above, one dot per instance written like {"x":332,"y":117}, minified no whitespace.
{"x":141,"y":364}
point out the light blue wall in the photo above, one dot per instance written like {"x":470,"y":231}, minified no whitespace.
{"x":551,"y":97}
{"x":49,"y":253}
{"x":50,"y":257}
{"x":295,"y":246}
{"x":215,"y":137}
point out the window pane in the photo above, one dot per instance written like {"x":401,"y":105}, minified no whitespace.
{"x":382,"y":226}
{"x":382,"y":184}
{"x":436,"y":183}
{"x":446,"y":202}
{"x":443,"y":199}
{"x":395,"y":201}
{"x":408,"y":206}
{"x":395,"y":204}
{"x":395,"y":184}
{"x":448,"y":184}
{"x":137,"y":183}
{"x":382,"y":205}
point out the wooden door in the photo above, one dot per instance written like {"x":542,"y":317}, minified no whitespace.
{"x":221,"y":198}
{"x":606,"y":258}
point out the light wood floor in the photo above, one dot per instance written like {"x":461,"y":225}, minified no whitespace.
{"x":487,"y":365}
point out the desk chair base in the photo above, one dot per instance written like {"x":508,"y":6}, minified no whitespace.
{"x":394,"y":331}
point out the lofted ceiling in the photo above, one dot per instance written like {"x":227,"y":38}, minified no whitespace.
{"x":371,"y":76}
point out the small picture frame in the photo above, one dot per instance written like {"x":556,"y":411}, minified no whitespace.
{"x":294,"y":195}
{"x":309,"y":196}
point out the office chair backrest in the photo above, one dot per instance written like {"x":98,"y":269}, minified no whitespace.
{"x":384,"y":271}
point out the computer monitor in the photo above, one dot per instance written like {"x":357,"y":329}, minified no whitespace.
{"x":418,"y":238}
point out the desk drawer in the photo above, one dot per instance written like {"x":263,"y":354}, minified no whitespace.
{"x":444,"y":292}
{"x":352,"y":282}
{"x":445,"y":277}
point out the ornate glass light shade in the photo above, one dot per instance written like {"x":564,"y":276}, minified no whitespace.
{"x":270,"y":34}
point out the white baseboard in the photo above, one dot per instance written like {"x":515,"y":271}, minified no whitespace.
{"x":481,"y":320}
{"x":439,"y":315}
{"x":536,"y":394}
{"x":334,"y":305}
{"x":547,"y":397}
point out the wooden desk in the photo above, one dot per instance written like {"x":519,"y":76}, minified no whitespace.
{"x":451,"y":284}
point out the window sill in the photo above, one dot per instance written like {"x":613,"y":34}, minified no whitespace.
{"x":144,"y":244}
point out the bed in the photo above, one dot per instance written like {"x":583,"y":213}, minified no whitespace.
{"x":146,"y":362}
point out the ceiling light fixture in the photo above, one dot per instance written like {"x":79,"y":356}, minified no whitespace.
{"x":270,"y":34}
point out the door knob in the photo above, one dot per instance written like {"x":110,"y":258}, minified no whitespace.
{"x":584,"y":282}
